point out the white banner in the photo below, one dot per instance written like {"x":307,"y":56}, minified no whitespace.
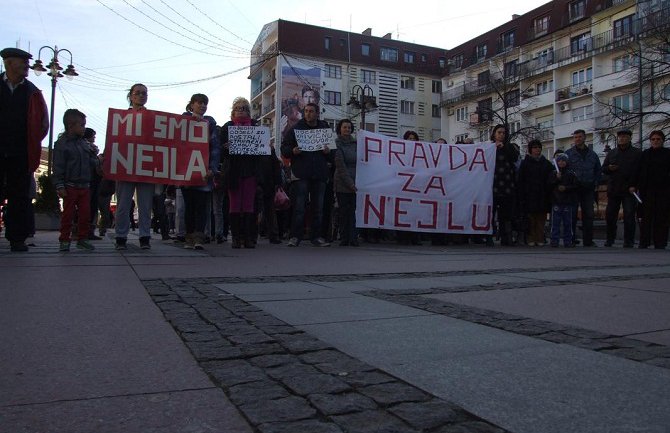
{"x":249,"y":140}
{"x":310,"y":140}
{"x":424,"y":187}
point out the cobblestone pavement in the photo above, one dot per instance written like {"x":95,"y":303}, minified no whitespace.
{"x":286,"y":381}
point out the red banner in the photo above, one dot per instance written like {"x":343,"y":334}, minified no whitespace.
{"x":156,"y":147}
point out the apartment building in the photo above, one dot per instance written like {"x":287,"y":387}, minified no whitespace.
{"x":393,"y":85}
{"x":566,"y":65}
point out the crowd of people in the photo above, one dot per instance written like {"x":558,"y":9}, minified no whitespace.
{"x":239,"y":196}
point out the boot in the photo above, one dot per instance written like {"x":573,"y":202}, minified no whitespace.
{"x":235,"y":228}
{"x":250,"y":230}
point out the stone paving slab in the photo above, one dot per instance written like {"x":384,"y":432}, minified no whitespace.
{"x":201,"y":411}
{"x":550,"y":389}
{"x":386,"y":284}
{"x":94,"y":333}
{"x":659,"y":337}
{"x":283,"y":291}
{"x":415,"y":339}
{"x":652,"y":285}
{"x":311,"y":311}
{"x":605,"y":309}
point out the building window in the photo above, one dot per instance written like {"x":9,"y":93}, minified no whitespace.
{"x":541,"y":25}
{"x":510,"y":69}
{"x":545,"y":123}
{"x":622,"y":63}
{"x":409,"y":57}
{"x":407,"y":107}
{"x":582,"y":113}
{"x":485,"y":109}
{"x":544,"y":87}
{"x":442,"y":62}
{"x":457,"y":61}
{"x":365,"y":49}
{"x":485,"y":135}
{"x":333,"y":71}
{"x":437,"y":86}
{"x":369,"y":77}
{"x":623,"y":27}
{"x":480,"y":52}
{"x":460,"y":139}
{"x":424,"y":58}
{"x":388,"y":54}
{"x":406,"y":82}
{"x":582,"y":76}
{"x":625,"y":104}
{"x":580,"y":43}
{"x":514,"y":127}
{"x":507,"y":40}
{"x":462,"y":114}
{"x":512,"y":98}
{"x":545,"y":57}
{"x":332,"y":98}
{"x":326,"y":43}
{"x":484,"y":78}
{"x":436,"y":111}
{"x":577,"y":10}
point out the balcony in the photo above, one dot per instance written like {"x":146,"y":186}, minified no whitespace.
{"x":581,"y":89}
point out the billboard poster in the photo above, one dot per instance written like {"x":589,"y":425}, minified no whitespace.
{"x":301,"y":84}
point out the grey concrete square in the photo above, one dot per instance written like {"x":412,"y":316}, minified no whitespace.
{"x":415,"y":339}
{"x":550,"y":389}
{"x":254,"y":292}
{"x":606,"y":309}
{"x":303,"y":312}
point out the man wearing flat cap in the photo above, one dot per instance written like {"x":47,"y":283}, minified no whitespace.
{"x":23,"y":124}
{"x":621,"y":165}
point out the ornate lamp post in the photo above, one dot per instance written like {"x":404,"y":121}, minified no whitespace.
{"x":54,"y":71}
{"x":364,"y":99}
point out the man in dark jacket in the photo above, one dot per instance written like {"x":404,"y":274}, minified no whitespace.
{"x":586,"y":165}
{"x":23,"y":125}
{"x":621,"y":164}
{"x":311,"y":169}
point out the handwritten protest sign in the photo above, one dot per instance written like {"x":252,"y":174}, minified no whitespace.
{"x":310,"y":140}
{"x":249,"y":140}
{"x":424,"y":187}
{"x":156,"y":147}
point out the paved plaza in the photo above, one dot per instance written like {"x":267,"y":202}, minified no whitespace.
{"x":379,"y":338}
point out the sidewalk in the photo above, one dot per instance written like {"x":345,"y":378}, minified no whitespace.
{"x":434,"y":339}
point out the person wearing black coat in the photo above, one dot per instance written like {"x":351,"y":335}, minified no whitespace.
{"x":534,"y":192}
{"x":653,"y":185}
{"x":504,"y":184}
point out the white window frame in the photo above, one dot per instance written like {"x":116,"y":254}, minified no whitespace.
{"x":582,"y":113}
{"x":368,"y":76}
{"x":462,"y":114}
{"x":407,"y":82}
{"x":336,"y":97}
{"x":407,"y":107}
{"x":333,"y":71}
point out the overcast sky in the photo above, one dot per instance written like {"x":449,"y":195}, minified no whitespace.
{"x":162,"y":43}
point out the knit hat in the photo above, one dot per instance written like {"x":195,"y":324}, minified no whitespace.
{"x":562,"y":157}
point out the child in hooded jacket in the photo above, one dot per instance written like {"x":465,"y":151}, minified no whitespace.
{"x":563,"y":184}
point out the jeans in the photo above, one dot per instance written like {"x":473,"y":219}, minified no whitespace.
{"x":221,"y":206}
{"x":347,"y":220}
{"x":301,"y":189}
{"x":561,"y":216}
{"x":614,"y":203}
{"x":124,"y":197}
{"x":180,"y":224}
{"x":585,"y":201}
{"x":195,"y":211}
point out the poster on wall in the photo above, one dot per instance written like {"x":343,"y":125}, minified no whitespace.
{"x":301,"y":84}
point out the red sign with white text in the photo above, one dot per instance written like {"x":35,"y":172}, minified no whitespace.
{"x":156,"y":147}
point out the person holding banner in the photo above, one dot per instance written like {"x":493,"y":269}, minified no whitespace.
{"x":125,"y":190}
{"x":345,"y":182}
{"x":406,"y":237}
{"x":653,"y":184}
{"x":241,"y":174}
{"x":196,"y":198}
{"x":309,"y":164}
{"x":504,"y":185}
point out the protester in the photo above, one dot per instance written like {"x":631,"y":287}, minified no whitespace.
{"x":621,"y":165}
{"x":241,"y":174}
{"x":563,"y":199}
{"x":534,"y":192}
{"x":196,"y":211}
{"x":271,"y":180}
{"x":125,"y":190}
{"x":24,"y":123}
{"x":89,"y":136}
{"x":345,"y":182}
{"x":504,"y":185}
{"x":653,"y":184}
{"x":311,"y":170}
{"x":74,"y":164}
{"x":585,"y":163}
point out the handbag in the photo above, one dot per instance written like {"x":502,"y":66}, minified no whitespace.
{"x":282,"y":202}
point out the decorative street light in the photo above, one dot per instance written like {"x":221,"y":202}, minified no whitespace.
{"x":53,"y":69}
{"x":364,"y":99}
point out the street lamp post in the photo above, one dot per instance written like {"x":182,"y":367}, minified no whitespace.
{"x":53,"y":69}
{"x":363,"y":98}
